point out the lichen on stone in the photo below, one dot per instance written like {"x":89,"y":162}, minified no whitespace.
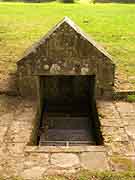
{"x":55,"y":68}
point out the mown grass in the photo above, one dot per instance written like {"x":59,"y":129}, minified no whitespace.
{"x":112,"y":25}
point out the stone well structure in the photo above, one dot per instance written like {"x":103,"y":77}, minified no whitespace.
{"x":69,"y":80}
{"x":64,"y":74}
{"x":65,"y":50}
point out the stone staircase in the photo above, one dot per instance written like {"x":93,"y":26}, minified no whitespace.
{"x":68,"y":130}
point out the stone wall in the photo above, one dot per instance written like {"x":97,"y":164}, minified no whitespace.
{"x":66,"y":51}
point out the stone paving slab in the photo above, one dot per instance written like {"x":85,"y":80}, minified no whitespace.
{"x":94,"y":161}
{"x":130,"y":130}
{"x":15,"y":149}
{"x":108,"y":122}
{"x":20,"y":131}
{"x":108,"y":110}
{"x":125,"y":108}
{"x":65,"y":160}
{"x":3,"y":130}
{"x":114,"y":133}
{"x":33,"y":173}
{"x":125,"y":148}
{"x":5,"y":119}
{"x":33,"y":159}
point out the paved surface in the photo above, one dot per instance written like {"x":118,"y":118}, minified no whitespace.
{"x":118,"y":127}
{"x":16,"y":122}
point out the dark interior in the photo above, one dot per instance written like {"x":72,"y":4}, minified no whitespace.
{"x":68,"y":111}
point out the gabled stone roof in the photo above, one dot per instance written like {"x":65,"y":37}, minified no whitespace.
{"x":76,"y":28}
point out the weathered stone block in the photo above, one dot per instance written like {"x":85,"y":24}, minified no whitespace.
{"x":121,"y":163}
{"x":15,"y":149}
{"x":2,"y":133}
{"x":35,"y":159}
{"x":34,"y":173}
{"x":125,"y":108}
{"x":5,"y":119}
{"x":64,"y":160}
{"x":122,"y":148}
{"x":19,"y":131}
{"x":94,"y":160}
{"x":114,"y":134}
{"x":130,"y":130}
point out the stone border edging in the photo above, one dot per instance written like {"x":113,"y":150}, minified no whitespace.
{"x":64,"y":149}
{"x":122,"y":94}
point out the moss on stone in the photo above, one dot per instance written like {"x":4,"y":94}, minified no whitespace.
{"x":123,"y":162}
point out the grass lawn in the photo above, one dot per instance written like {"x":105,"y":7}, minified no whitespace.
{"x":112,"y":25}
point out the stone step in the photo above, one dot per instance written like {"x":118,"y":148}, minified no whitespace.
{"x":67,"y":114}
{"x":67,"y":122}
{"x":58,"y":136}
{"x":67,"y":143}
{"x":78,"y":107}
{"x":66,"y":117}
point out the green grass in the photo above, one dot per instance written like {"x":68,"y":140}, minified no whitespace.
{"x":112,"y":25}
{"x":87,"y":175}
{"x":131,"y":98}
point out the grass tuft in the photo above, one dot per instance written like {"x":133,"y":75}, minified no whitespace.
{"x":131,"y":98}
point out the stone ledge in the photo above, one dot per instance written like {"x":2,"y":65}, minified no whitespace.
{"x":59,"y":149}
